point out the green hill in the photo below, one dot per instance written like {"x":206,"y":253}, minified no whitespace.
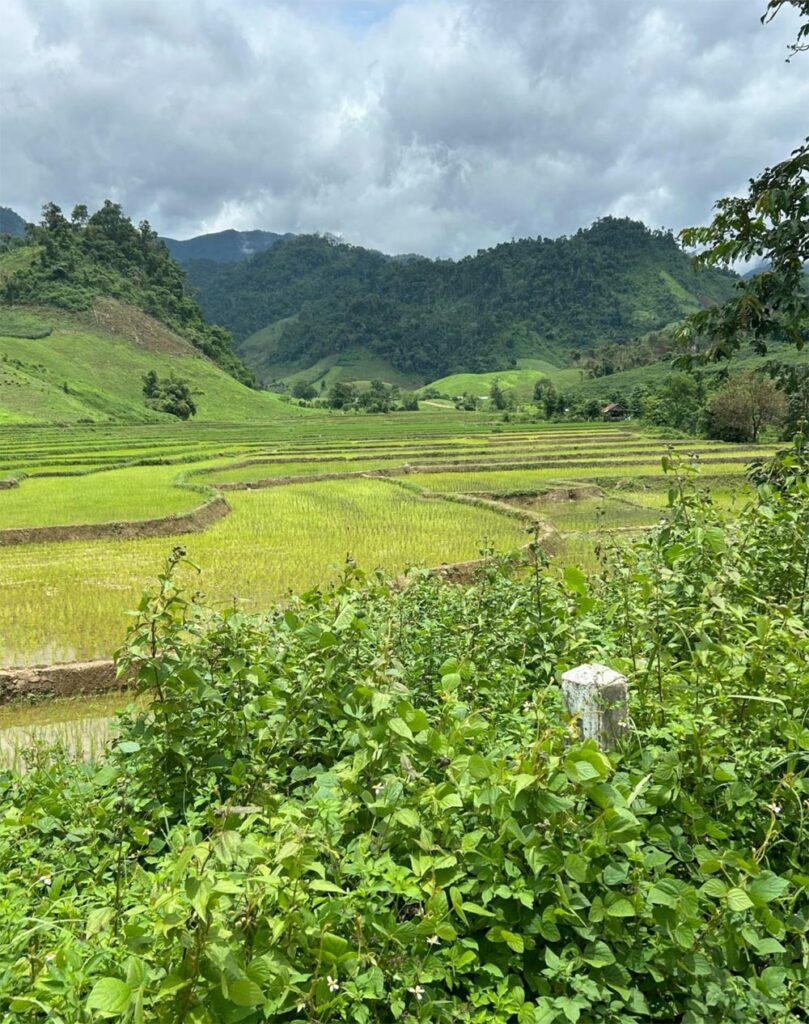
{"x":90,"y":305}
{"x":530,"y":299}
{"x":11,"y":223}
{"x":88,"y":366}
{"x":69,"y":264}
{"x":222,"y":246}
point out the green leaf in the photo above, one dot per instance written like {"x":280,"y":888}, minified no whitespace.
{"x":575,"y":580}
{"x":620,"y":907}
{"x":226,"y":845}
{"x":767,"y":888}
{"x":245,"y":992}
{"x":110,"y":996}
{"x":737,"y":899}
{"x":400,"y":727}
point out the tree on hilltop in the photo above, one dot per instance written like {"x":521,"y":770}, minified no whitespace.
{"x":771,"y":223}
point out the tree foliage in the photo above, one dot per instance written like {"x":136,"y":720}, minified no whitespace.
{"x":745,"y":404}
{"x":770,"y":223}
{"x":170,"y":394}
{"x":528,"y":298}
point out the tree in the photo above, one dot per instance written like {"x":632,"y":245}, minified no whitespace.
{"x":176,"y":398}
{"x":744,"y":405}
{"x":771,"y":224}
{"x":497,"y":395}
{"x":151,"y":385}
{"x":794,"y":382}
{"x":171,"y":395}
{"x":304,"y":390}
{"x":341,"y":395}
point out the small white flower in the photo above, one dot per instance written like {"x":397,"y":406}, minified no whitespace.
{"x":48,"y":957}
{"x":528,"y":705}
{"x":45,"y":880}
{"x":775,"y":808}
{"x":149,"y":831}
{"x":334,"y":985}
{"x":378,"y":788}
{"x":433,"y":940}
{"x":417,"y":991}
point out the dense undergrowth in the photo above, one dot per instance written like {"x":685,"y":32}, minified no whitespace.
{"x":371,"y":806}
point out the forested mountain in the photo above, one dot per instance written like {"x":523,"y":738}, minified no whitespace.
{"x":223,"y":246}
{"x":11,"y":223}
{"x":527,"y":299}
{"x":71,"y":263}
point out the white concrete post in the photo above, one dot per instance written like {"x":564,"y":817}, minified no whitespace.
{"x":598,"y":696}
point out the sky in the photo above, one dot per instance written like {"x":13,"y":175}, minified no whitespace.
{"x":431,"y":126}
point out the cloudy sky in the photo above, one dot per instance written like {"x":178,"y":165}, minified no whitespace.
{"x":435,"y":126}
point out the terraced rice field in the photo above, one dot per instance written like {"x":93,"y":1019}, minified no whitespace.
{"x":65,"y":601}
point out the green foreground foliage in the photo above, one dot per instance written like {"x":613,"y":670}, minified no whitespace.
{"x":371,"y":806}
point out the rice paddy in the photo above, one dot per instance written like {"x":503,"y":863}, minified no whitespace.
{"x":69,"y":601}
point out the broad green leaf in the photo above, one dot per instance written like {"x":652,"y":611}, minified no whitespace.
{"x":737,"y":899}
{"x":767,"y":888}
{"x":110,"y":996}
{"x":400,"y":727}
{"x":620,"y":907}
{"x":245,"y":992}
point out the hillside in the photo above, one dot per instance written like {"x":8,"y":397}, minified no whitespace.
{"x":425,"y":319}
{"x":70,"y":264}
{"x":11,"y":223}
{"x":58,"y":366}
{"x":223,"y":246}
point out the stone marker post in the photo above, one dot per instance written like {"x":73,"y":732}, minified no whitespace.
{"x":598,"y":696}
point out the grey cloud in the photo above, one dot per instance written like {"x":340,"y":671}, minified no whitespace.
{"x":437,"y":126}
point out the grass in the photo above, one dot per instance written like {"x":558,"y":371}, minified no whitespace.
{"x":68,"y":601}
{"x":522,"y":381}
{"x":63,"y":377}
{"x":83,"y":725}
{"x":141,"y":492}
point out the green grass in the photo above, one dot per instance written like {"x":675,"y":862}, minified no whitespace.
{"x":67,"y":601}
{"x":143,"y":492}
{"x":521,"y":381}
{"x":81,"y":372}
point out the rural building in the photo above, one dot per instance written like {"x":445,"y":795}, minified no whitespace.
{"x":614,"y":411}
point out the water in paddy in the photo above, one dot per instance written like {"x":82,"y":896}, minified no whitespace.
{"x":83,"y":725}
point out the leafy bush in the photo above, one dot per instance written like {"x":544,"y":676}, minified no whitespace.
{"x":370,"y":805}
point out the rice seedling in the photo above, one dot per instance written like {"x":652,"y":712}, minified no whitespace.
{"x":65,"y":601}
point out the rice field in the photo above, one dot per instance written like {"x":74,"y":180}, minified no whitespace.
{"x":67,"y":601}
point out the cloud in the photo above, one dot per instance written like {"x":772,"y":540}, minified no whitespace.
{"x":437,"y":126}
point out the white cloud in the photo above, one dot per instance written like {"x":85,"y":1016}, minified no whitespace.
{"x":431,"y":125}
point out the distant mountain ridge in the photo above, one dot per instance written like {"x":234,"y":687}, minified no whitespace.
{"x":228,"y":246}
{"x":11,"y":223}
{"x":299,"y":305}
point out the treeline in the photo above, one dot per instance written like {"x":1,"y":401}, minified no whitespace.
{"x":536,"y":297}
{"x":724,"y":405}
{"x":346,"y":396}
{"x":79,"y":258}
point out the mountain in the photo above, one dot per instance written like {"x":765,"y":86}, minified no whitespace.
{"x":11,"y":223}
{"x":70,"y":264}
{"x":223,"y":246}
{"x":312,"y":303}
